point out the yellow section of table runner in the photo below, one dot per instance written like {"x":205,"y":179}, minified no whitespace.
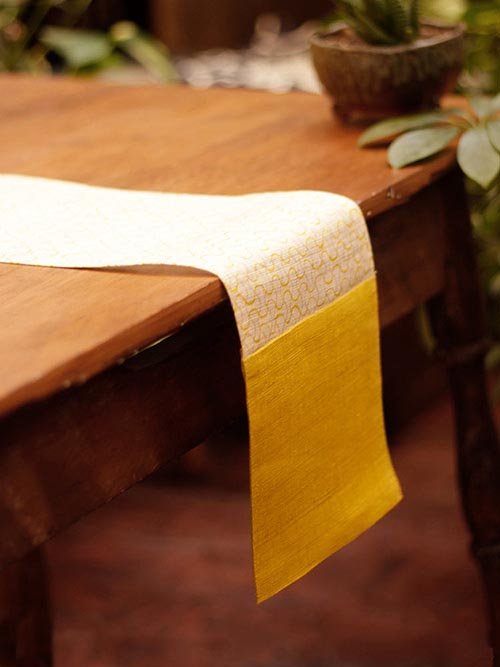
{"x":299,"y":272}
{"x":318,"y":456}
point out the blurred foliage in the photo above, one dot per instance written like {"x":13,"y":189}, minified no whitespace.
{"x":485,"y":208}
{"x":445,"y":10}
{"x":40,"y":36}
{"x":483,"y":53}
{"x":383,"y":22}
{"x":482,"y":18}
{"x":482,"y":75}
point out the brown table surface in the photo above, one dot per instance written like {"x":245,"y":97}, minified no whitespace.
{"x":61,"y":326}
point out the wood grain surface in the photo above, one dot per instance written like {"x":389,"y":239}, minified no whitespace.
{"x":61,"y":326}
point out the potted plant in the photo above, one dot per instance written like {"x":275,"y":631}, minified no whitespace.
{"x":383,"y":60}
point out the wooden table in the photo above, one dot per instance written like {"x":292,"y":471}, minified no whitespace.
{"x":86,"y":414}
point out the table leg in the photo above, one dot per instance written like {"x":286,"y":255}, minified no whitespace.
{"x":458,"y":320}
{"x":25,"y":622}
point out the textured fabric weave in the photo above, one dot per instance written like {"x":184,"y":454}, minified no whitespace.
{"x":299,"y":272}
{"x":320,"y":469}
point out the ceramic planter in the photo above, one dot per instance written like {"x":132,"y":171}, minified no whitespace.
{"x":368,"y":82}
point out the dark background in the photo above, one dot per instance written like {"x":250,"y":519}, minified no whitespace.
{"x":193,"y":25}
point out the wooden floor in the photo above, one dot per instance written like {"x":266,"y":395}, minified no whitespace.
{"x":162,"y":577}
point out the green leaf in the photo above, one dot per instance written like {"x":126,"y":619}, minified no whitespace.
{"x":78,"y":48}
{"x":494,"y":286}
{"x":424,"y":329}
{"x":415,"y":16}
{"x":387,"y":129}
{"x":400,"y":19}
{"x":147,"y":51}
{"x":481,"y":105}
{"x":485,"y":105}
{"x":477,"y":157}
{"x":369,"y":30}
{"x":419,"y":144}
{"x":8,"y":15}
{"x":495,"y":104}
{"x":493,"y":129}
{"x":376,"y":10}
{"x":493,"y":357}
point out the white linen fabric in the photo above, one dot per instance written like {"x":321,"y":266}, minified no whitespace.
{"x":281,"y":255}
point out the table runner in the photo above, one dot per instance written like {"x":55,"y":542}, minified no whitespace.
{"x":298,"y":270}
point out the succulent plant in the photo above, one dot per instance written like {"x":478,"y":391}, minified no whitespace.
{"x":385,"y":22}
{"x":416,"y":137}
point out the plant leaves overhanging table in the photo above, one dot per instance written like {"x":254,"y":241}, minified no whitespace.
{"x":77,"y":372}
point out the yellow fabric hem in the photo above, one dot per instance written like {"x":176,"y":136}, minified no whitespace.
{"x":320,"y":469}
